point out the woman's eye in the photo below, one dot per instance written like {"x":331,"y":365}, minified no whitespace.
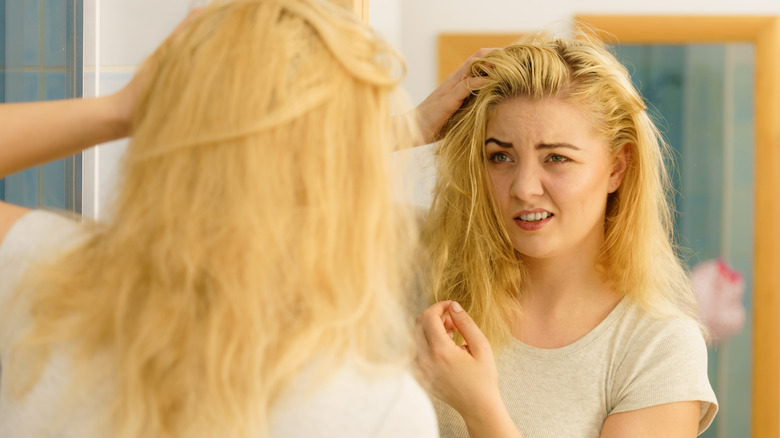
{"x":499,"y":157}
{"x":556,"y":158}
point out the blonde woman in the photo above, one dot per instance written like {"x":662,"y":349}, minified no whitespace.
{"x":551,"y":261}
{"x":246,"y":283}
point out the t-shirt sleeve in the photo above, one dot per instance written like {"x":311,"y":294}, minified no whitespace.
{"x":354,"y":405}
{"x":35,"y":239}
{"x":665,"y":362}
{"x":411,"y":413}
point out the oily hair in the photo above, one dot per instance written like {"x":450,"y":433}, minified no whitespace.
{"x":255,"y":235}
{"x":469,"y":252}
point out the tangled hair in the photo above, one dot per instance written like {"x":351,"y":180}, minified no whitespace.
{"x":471,"y":255}
{"x":255,"y":233}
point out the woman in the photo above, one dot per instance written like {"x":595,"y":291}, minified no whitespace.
{"x":246,"y":283}
{"x":551,"y":226}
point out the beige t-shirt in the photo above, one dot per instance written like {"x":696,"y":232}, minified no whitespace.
{"x":629,"y":361}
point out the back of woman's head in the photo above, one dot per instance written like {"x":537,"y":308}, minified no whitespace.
{"x":255,"y":230}
{"x":638,"y":258}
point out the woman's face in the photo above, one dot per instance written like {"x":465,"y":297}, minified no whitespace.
{"x":551,"y":172}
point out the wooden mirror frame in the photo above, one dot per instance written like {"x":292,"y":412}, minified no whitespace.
{"x":764,"y":33}
{"x":359,"y":6}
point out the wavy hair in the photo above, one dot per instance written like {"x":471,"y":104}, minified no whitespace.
{"x":255,"y":232}
{"x":469,"y":251}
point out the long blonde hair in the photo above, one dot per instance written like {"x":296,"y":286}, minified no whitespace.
{"x":471,"y":257}
{"x":255,"y":231}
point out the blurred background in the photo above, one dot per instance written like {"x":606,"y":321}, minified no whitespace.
{"x":702,"y":96}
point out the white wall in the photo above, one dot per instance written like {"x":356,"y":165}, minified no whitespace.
{"x":118,"y":36}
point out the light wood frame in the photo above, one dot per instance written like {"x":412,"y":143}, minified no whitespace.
{"x":764,"y":33}
{"x":454,"y":48}
{"x":359,"y":6}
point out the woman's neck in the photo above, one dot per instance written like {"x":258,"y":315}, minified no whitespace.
{"x":564,"y":299}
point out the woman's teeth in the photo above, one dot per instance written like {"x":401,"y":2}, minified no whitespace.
{"x":534,"y":217}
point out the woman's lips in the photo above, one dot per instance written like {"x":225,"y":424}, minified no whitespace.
{"x":532,"y":225}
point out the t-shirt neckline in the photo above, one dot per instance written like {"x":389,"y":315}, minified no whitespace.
{"x":580,"y":343}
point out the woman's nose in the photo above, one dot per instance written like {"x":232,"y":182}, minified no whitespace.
{"x":527,"y":183}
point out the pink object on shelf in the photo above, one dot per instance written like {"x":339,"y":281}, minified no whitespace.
{"x":719,"y":291}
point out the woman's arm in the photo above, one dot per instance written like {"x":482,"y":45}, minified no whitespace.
{"x":464,"y":377}
{"x":673,"y":420}
{"x":38,"y":132}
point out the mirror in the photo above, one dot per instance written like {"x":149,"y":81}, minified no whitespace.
{"x":761,"y":403}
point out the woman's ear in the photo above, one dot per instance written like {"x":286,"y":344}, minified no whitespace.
{"x":620,"y":163}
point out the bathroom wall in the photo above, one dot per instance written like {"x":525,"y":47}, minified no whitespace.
{"x":118,"y":36}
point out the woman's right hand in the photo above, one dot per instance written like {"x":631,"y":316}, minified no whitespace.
{"x":463,"y":376}
{"x":125,"y":100}
{"x":442,"y":103}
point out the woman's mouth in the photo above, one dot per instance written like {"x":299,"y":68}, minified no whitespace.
{"x":533,"y":221}
{"x":534,"y":217}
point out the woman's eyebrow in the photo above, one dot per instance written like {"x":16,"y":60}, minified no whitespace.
{"x":556,"y":146}
{"x":499,"y":143}
{"x":540,"y":146}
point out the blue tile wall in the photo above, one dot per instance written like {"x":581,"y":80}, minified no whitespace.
{"x":55,"y":85}
{"x":55,"y":191}
{"x":75,"y":41}
{"x":702,"y":164}
{"x":31,"y":24}
{"x":55,"y":37}
{"x":737,"y":371}
{"x":31,"y":86}
{"x":42,"y":61}
{"x":2,"y":48}
{"x":656,"y":72}
{"x":22,"y":188}
{"x":13,"y":22}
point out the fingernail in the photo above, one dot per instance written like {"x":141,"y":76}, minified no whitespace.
{"x":456,"y":307}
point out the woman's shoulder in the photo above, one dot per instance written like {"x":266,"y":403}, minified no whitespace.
{"x":33,"y":239}
{"x":355,"y":402}
{"x":641,"y":325}
{"x":660,"y":359}
{"x":9,"y":216}
{"x":39,"y":228}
